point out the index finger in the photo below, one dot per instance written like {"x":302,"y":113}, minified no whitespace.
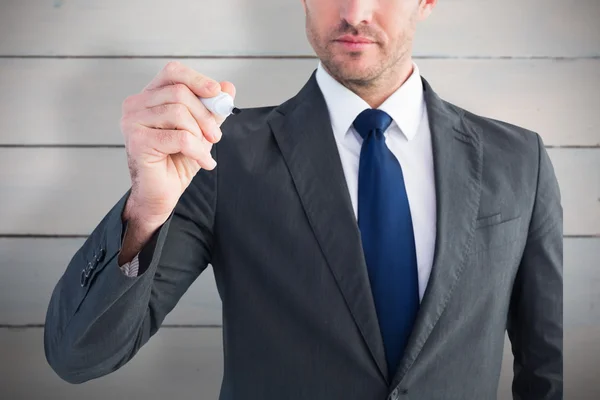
{"x":177,"y":73}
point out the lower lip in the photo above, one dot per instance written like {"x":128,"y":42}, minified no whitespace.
{"x":354,"y":46}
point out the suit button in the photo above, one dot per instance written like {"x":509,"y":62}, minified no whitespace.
{"x":395,"y":395}
{"x":86,"y":272}
{"x":83,"y":279}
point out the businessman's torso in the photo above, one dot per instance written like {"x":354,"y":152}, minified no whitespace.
{"x":288,"y":265}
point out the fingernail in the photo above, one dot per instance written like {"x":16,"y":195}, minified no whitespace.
{"x":213,"y":163}
{"x":217,"y":135}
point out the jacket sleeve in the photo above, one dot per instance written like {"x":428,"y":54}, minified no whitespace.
{"x":535,"y":321}
{"x":98,"y":317}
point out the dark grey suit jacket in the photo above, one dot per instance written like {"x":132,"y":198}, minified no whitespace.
{"x":276,"y":222}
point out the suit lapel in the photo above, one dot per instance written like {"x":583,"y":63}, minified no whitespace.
{"x":457,"y":159}
{"x":302,"y":129}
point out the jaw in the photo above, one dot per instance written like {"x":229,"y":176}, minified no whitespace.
{"x":353,"y":65}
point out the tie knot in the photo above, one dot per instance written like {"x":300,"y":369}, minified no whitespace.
{"x":371,"y":120}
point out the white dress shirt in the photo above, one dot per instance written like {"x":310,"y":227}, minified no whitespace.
{"x":408,"y":138}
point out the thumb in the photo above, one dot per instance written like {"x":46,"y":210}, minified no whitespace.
{"x":228,"y":87}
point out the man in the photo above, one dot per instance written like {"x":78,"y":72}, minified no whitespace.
{"x":368,"y":239}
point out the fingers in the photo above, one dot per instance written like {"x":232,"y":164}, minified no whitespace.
{"x":175,"y":72}
{"x":169,"y":141}
{"x":179,"y":94}
{"x":169,"y":116}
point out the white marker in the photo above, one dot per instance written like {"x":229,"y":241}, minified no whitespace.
{"x":221,"y":104}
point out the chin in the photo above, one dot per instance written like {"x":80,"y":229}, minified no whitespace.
{"x":355,"y":69}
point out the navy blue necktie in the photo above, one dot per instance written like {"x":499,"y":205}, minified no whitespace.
{"x":387,"y":235}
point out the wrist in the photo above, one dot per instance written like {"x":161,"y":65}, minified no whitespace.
{"x":135,"y":238}
{"x":132,"y":213}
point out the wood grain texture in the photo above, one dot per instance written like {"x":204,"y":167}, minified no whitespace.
{"x":182,"y":364}
{"x":581,"y":283}
{"x":188,"y":364}
{"x":457,"y":28}
{"x":68,"y":191}
{"x":31,"y":267}
{"x":78,"y":101}
{"x":502,"y":59}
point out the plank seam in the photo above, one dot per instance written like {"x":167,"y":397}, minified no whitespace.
{"x":122,"y":146}
{"x":168,"y":326}
{"x":81,"y":236}
{"x":282,"y":57}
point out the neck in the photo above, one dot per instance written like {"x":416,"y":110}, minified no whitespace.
{"x":374,"y":92}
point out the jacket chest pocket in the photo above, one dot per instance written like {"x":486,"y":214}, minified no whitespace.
{"x":491,"y":232}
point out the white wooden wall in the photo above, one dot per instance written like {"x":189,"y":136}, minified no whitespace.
{"x":66,"y":66}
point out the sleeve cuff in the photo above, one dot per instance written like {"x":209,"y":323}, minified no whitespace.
{"x":131,"y":268}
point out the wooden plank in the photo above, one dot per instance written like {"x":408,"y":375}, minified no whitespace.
{"x":187,"y":363}
{"x":68,"y":191}
{"x":578,"y":174}
{"x":78,"y":101}
{"x":31,"y":268}
{"x":174,"y":364}
{"x":460,"y":28}
{"x":581,"y":355}
{"x":581,"y":283}
{"x":533,"y":94}
{"x":59,"y":191}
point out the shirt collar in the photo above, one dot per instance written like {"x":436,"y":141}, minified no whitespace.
{"x":405,"y":105}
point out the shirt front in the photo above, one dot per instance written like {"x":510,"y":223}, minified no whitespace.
{"x":408,"y":138}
